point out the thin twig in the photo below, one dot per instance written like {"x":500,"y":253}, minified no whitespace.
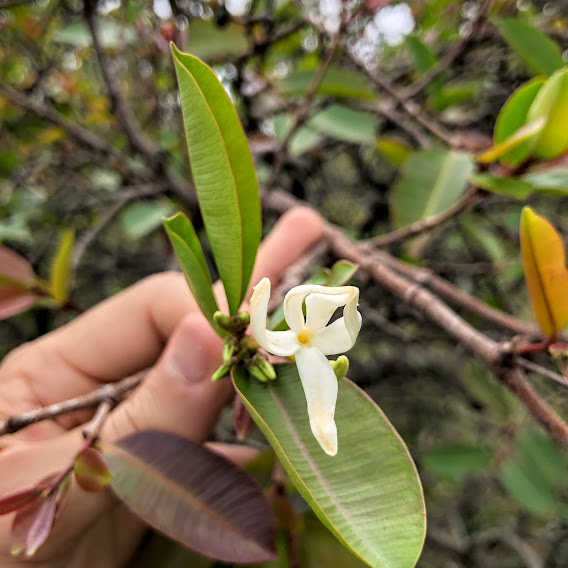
{"x":542,"y":371}
{"x":469,"y":199}
{"x":110,"y":391}
{"x":92,"y":429}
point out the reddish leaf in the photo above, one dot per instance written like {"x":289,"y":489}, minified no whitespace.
{"x":91,"y":471}
{"x":15,"y":267}
{"x":16,"y":501}
{"x":193,"y":496}
{"x":242,"y":418}
{"x":33,"y":523}
{"x":16,"y":276}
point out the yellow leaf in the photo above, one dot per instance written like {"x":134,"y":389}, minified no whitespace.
{"x":545,"y":271}
{"x":60,"y":280}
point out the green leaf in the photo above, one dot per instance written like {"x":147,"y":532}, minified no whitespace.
{"x":456,"y":460}
{"x":60,"y":278}
{"x":538,"y":449}
{"x":337,"y":82}
{"x":551,"y":105}
{"x":192,"y":261}
{"x":394,"y":151}
{"x":550,"y":179}
{"x":192,"y":495}
{"x":539,"y":53}
{"x":223,"y":174}
{"x":511,"y":187}
{"x":369,"y":494}
{"x":111,"y":34}
{"x":424,"y":60}
{"x":346,"y":124}
{"x":522,"y":139}
{"x":206,"y":40}
{"x":454,"y":93}
{"x":430,"y":181}
{"x":527,"y":487}
{"x":143,"y":217}
{"x":304,"y":140}
{"x":341,"y":272}
{"x":512,"y":117}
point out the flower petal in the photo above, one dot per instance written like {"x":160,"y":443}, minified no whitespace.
{"x":320,"y":307}
{"x":281,"y":343}
{"x":320,"y":387}
{"x":333,"y":339}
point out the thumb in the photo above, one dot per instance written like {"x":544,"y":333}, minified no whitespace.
{"x":177,"y":396}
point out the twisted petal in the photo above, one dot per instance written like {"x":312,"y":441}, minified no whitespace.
{"x":321,"y":302}
{"x":320,"y":307}
{"x":320,"y":387}
{"x":281,"y":343}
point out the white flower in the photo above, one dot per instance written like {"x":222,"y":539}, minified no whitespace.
{"x":310,"y":340}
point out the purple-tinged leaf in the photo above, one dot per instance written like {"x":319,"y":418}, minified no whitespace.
{"x":18,"y":500}
{"x":33,"y":523}
{"x":14,"y":300}
{"x":41,"y":525}
{"x":242,"y":418}
{"x":15,"y":267}
{"x":192,"y":495}
{"x":91,"y":470}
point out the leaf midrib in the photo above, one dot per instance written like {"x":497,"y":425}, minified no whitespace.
{"x":185,"y":495}
{"x":224,"y":145}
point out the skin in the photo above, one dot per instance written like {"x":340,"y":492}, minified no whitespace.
{"x":155,"y":323}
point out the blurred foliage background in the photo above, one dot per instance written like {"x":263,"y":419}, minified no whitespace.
{"x":495,"y":485}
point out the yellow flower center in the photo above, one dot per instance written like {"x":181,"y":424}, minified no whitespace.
{"x":304,"y":336}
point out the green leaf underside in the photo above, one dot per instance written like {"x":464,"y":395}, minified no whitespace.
{"x":513,"y":116}
{"x":223,"y":174}
{"x":511,"y":187}
{"x":192,"y":495}
{"x":369,"y":494}
{"x":192,"y":261}
{"x":430,"y":182}
{"x":540,"y":54}
{"x":339,"y":274}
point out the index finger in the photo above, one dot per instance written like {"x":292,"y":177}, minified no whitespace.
{"x":127,"y":332}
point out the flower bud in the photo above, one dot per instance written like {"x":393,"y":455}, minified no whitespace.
{"x":222,"y":320}
{"x":228,"y":352}
{"x":268,"y":370}
{"x":243,"y":319}
{"x":221,"y":372}
{"x":340,"y":366}
{"x":257,"y":373}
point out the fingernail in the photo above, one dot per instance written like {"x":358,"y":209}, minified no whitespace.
{"x":186,"y":355}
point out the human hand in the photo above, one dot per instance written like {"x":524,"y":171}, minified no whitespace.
{"x":117,"y":338}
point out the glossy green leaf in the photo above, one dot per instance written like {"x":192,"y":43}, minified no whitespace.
{"x":551,"y":105}
{"x":223,"y":174}
{"x":512,"y":117}
{"x":511,"y":187}
{"x":430,"y":181}
{"x":142,"y":217}
{"x":555,"y":179}
{"x":456,"y":460}
{"x":337,"y":82}
{"x":340,"y":273}
{"x":369,"y":494}
{"x":346,"y":124}
{"x":60,"y":277}
{"x":539,"y":53}
{"x":192,"y":261}
{"x":192,"y":495}
{"x":523,"y":138}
